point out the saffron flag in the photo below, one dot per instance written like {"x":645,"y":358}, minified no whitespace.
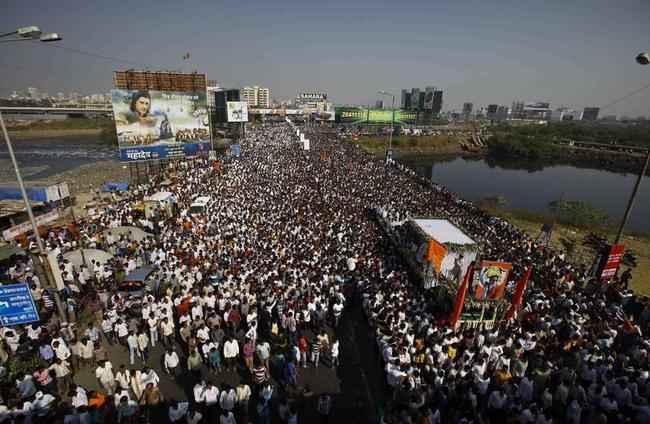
{"x":519,"y":293}
{"x":436,"y":253}
{"x":460,"y":297}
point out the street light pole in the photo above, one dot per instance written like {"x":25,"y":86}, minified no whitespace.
{"x":641,"y":59}
{"x":392,"y":120}
{"x":32,"y":33}
{"x":630,"y":202}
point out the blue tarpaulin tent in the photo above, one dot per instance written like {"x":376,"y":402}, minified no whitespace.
{"x":35,"y":194}
{"x":140,"y":274}
{"x":123,"y":186}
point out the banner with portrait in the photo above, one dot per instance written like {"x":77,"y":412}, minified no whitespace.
{"x":160,"y":124}
{"x":492,"y":280}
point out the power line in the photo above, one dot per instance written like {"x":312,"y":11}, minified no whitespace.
{"x":47,"y":72}
{"x":99,"y":56}
{"x":645,"y":87}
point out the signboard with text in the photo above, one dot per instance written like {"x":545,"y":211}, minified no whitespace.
{"x":237,"y":111}
{"x":17,"y":305}
{"x":313,"y":96}
{"x":351,"y":115}
{"x":609,"y":261}
{"x":11,"y":233}
{"x":160,"y":124}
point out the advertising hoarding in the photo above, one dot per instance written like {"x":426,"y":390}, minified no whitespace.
{"x":415,"y":98}
{"x":313,"y":96}
{"x":351,"y":115}
{"x":536,"y":106}
{"x":160,"y":124}
{"x":428,"y":98}
{"x":237,"y":111}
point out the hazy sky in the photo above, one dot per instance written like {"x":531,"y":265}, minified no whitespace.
{"x":575,"y":53}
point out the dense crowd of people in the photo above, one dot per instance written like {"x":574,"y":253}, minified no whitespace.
{"x":260,"y":278}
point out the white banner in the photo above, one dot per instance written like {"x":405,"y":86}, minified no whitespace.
{"x":305,"y":144}
{"x":237,"y":111}
{"x":12,"y":232}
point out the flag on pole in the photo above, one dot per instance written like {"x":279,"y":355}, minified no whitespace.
{"x":460,"y":297}
{"x":436,"y":253}
{"x":519,"y":293}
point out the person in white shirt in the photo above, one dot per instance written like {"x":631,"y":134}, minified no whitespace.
{"x":227,"y":399}
{"x":230,"y":352}
{"x":210,"y":397}
{"x":132,"y":343}
{"x":105,"y":376}
{"x":243,"y":393}
{"x":149,"y":376}
{"x":167,"y":330}
{"x":177,"y":411}
{"x":334,"y":352}
{"x":152,"y":321}
{"x":122,"y":378}
{"x":171,"y":362}
{"x":61,"y":350}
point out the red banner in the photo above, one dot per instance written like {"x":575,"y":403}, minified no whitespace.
{"x":610,"y":261}
{"x":460,"y":297}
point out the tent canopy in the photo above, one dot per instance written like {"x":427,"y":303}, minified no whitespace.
{"x":140,"y":274}
{"x":159,"y":196}
{"x":443,"y":231}
{"x":98,"y":255}
{"x":121,"y":186}
{"x":138,"y":234}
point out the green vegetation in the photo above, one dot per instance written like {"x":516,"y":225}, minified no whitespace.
{"x":578,"y":213}
{"x":412,"y":144}
{"x":529,"y":147}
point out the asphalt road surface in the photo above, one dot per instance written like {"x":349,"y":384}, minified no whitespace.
{"x":357,"y":386}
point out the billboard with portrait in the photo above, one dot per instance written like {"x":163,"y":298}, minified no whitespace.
{"x":428,"y":98}
{"x":237,"y":111}
{"x":160,"y":124}
{"x":415,"y":98}
{"x":492,"y":280}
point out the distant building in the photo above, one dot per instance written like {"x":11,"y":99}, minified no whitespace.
{"x":405,"y":99}
{"x":218,"y":107}
{"x":491,"y":111}
{"x":380,"y":104}
{"x":503,"y":113}
{"x":437,"y":102}
{"x":590,"y":114}
{"x":517,"y":110}
{"x":415,"y":98}
{"x":32,"y":92}
{"x":255,"y":96}
{"x":467,"y":108}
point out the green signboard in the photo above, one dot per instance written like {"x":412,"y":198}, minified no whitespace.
{"x":351,"y":115}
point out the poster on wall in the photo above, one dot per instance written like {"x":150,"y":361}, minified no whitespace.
{"x":160,"y":124}
{"x":492,"y":280}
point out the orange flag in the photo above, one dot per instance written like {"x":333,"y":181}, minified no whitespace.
{"x":437,"y":253}
{"x":519,"y":293}
{"x":460,"y":297}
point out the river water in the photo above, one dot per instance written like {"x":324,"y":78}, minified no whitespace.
{"x":534,"y":188}
{"x":58,"y":154}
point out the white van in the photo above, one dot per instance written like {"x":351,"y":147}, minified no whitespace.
{"x":200,"y":205}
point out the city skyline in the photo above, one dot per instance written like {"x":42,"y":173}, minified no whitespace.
{"x":485,"y":53}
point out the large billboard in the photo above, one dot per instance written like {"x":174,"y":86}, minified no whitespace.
{"x":237,"y":111}
{"x":536,"y":106}
{"x":160,"y":124}
{"x":428,"y":98}
{"x":351,"y":115}
{"x":415,"y":98}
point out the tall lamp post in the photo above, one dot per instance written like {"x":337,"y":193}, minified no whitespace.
{"x":392,"y":120}
{"x":26,"y":34}
{"x":641,"y":59}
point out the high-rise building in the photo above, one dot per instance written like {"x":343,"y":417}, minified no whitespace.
{"x":517,"y":110}
{"x":491,"y":111}
{"x":590,"y":114}
{"x":404,"y":103}
{"x":256,"y":96}
{"x":437,"y":103}
{"x":467,"y":108}
{"x":503,"y":113}
{"x":380,"y":104}
{"x":32,"y":92}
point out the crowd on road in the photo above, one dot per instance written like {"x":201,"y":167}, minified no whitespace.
{"x":260,"y":278}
